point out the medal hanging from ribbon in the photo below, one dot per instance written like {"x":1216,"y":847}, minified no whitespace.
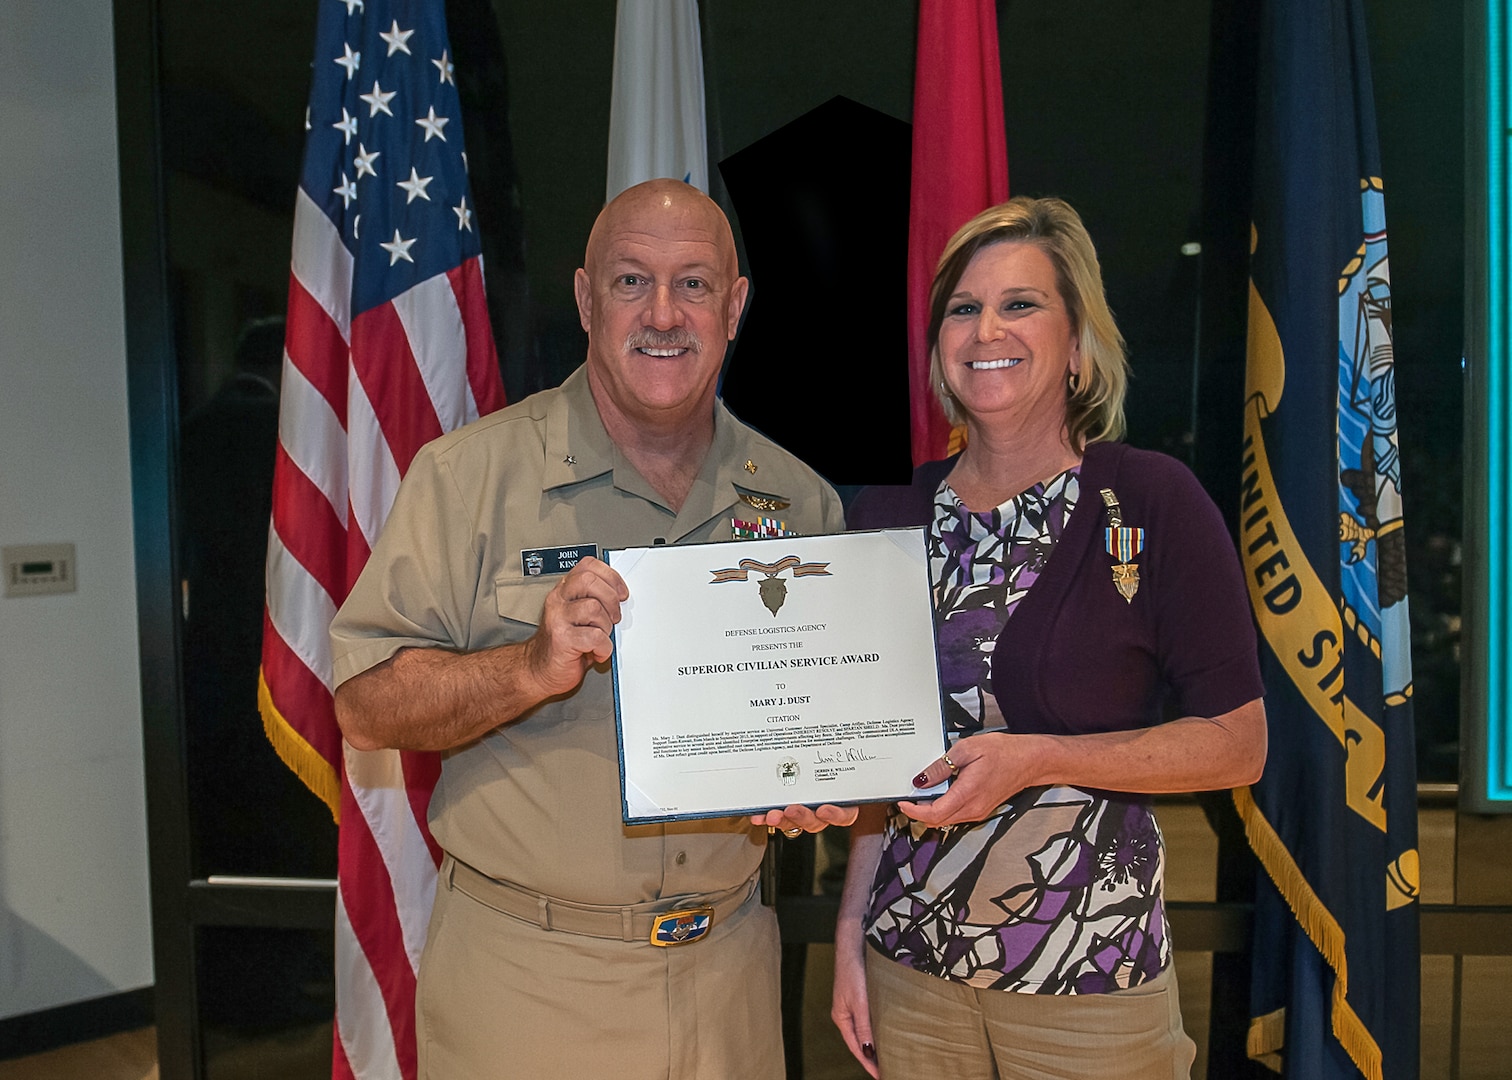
{"x":1124,"y":544}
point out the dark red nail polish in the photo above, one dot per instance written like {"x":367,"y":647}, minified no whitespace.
{"x":921,"y":780}
{"x":870,"y":1051}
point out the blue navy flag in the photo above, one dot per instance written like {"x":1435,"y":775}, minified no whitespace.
{"x":1334,"y":819}
{"x":387,"y":347}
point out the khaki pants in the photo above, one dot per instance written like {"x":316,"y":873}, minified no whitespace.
{"x":499,"y":997}
{"x":928,"y":1026}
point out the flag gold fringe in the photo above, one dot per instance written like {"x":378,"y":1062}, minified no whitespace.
{"x":1321,"y":928}
{"x":1355,"y":1037}
{"x":1267,"y":1034}
{"x":315,"y":771}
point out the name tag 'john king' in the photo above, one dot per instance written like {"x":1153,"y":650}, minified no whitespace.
{"x":540,"y":562}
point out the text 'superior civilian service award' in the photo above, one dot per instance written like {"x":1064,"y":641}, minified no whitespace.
{"x":762,"y":673}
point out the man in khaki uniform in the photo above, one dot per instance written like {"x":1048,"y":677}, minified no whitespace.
{"x":480,"y":627}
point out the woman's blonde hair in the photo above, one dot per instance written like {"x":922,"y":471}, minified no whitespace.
{"x":1094,"y":406}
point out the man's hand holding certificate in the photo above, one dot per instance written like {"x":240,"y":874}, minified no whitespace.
{"x":764,"y":673}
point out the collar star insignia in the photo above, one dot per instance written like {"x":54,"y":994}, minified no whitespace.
{"x":569,"y":460}
{"x":750,"y":467}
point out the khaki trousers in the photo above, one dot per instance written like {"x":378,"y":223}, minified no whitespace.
{"x":928,"y":1026}
{"x":499,"y":998}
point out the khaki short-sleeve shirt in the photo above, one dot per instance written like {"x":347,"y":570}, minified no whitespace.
{"x":537,"y":801}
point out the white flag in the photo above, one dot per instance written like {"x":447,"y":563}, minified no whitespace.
{"x":656,"y":117}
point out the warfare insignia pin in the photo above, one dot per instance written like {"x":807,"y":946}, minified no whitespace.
{"x":758,"y":501}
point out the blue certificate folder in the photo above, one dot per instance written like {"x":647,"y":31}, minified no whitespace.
{"x":761,"y":673}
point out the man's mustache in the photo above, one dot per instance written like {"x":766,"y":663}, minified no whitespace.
{"x":675,"y":338}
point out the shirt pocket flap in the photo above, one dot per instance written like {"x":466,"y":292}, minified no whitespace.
{"x":520,"y":599}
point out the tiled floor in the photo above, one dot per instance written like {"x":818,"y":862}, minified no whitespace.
{"x":1479,"y":993}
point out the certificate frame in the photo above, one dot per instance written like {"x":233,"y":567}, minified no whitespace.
{"x":757,"y":674}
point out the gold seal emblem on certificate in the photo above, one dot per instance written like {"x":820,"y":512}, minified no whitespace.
{"x":773,"y":588}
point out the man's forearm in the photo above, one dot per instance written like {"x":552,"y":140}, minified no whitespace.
{"x":435,"y":699}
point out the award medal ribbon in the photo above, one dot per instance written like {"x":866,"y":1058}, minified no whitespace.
{"x":762,"y":528}
{"x":1124,"y":544}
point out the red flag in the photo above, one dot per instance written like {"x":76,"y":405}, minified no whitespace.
{"x":388,"y":346}
{"x":960,"y":167}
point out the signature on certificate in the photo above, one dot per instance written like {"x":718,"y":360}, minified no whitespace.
{"x":846,"y":753}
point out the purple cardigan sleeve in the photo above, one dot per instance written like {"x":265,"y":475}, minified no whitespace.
{"x":1077,"y":658}
{"x":1206,"y":634}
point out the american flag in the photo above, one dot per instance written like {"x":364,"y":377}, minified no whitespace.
{"x":387,"y":347}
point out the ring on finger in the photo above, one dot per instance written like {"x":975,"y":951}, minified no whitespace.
{"x":954,"y":768}
{"x":792,"y":834}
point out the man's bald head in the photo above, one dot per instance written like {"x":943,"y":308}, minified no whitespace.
{"x":657,"y":205}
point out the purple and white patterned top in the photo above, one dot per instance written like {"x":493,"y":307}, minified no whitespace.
{"x":1059,"y":890}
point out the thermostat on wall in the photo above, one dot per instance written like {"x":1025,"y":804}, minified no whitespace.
{"x":36,"y":569}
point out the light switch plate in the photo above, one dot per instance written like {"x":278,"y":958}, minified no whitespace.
{"x":39,"y":569}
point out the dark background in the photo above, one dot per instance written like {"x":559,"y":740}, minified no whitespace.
{"x":1138,"y":113}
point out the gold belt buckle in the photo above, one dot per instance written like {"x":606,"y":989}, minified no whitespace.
{"x":681,"y":927}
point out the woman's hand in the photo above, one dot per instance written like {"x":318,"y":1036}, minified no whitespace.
{"x":850,"y":1008}
{"x":989,"y":769}
{"x":795,"y":819}
{"x":1193,"y":753}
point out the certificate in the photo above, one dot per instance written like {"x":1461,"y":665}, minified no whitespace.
{"x":756,"y":674}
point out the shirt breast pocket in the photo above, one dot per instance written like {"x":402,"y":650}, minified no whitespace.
{"x":519,"y":603}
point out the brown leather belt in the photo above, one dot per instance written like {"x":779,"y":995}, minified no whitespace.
{"x":673,"y":920}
